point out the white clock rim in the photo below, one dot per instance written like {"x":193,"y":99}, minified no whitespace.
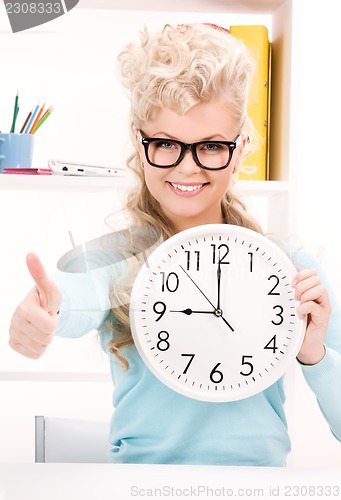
{"x":278,"y":372}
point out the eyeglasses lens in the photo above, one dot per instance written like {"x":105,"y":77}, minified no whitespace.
{"x":209,"y":154}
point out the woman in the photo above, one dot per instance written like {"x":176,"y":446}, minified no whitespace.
{"x":188,"y":87}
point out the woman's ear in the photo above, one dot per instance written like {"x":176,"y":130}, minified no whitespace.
{"x":240,"y":151}
{"x":245,"y":141}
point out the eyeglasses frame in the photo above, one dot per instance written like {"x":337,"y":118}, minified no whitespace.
{"x":232,"y":145}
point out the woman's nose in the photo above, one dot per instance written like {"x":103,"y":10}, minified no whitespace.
{"x":187,"y":165}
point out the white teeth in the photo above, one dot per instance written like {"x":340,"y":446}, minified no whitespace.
{"x":187,"y":188}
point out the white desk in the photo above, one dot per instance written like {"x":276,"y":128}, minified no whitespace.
{"x":123,"y":482}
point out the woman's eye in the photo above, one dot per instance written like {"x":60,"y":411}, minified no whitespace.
{"x":212,"y":147}
{"x":165,"y":144}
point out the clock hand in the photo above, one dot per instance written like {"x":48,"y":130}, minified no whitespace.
{"x":218,"y":280}
{"x":217,"y":312}
{"x":202,"y":293}
{"x":189,"y":312}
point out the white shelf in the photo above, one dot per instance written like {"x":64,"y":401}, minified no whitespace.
{"x":244,"y":6}
{"x":261,"y":188}
{"x":61,"y":182}
{"x":75,"y":183}
{"x":54,"y":376}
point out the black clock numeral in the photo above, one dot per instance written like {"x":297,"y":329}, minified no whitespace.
{"x":251,"y":261}
{"x":272,"y":292}
{"x":163,"y":343}
{"x":250,"y":365}
{"x":169,"y":282}
{"x":279,"y":315}
{"x":222,"y":252}
{"x":189,"y":362}
{"x":272,"y":345}
{"x":193,"y":260}
{"x":160,"y":309}
{"x":216,"y":375}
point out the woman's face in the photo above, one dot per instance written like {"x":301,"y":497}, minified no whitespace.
{"x":189,"y":195}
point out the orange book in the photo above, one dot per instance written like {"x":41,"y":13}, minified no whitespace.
{"x":256,"y":165}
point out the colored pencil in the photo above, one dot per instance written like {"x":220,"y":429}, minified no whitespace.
{"x":25,"y":123}
{"x":46,"y":115}
{"x":31,"y":119}
{"x":15,"y":113}
{"x":16,"y":116}
{"x":42,"y":117}
{"x":47,"y":111}
{"x":37,"y":119}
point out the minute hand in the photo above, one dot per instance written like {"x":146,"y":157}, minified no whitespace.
{"x":217,"y":312}
{"x":218,"y":283}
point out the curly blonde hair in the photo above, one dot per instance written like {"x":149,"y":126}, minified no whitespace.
{"x":177,"y":68}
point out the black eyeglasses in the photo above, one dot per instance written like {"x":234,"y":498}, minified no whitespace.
{"x":167,"y":153}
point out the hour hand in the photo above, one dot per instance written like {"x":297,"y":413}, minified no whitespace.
{"x":189,"y":311}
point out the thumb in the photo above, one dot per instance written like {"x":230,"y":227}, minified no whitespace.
{"x":49,"y":294}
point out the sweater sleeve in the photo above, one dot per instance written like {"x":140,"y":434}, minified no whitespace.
{"x":86,"y":293}
{"x":324,"y":378}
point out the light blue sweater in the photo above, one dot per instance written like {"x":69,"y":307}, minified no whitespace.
{"x":153,"y":424}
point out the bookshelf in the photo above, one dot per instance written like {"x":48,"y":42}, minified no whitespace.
{"x":280,"y":190}
{"x":282,"y":16}
{"x":276,"y":196}
{"x":282,"y":125}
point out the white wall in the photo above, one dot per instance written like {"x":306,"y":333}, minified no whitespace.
{"x":316,"y":107}
{"x":70,"y":63}
{"x":317,"y":158}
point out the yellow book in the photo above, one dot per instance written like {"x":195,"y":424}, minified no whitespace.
{"x":255,"y":165}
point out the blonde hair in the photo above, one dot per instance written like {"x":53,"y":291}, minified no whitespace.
{"x":177,"y":68}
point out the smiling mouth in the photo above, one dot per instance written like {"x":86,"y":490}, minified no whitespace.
{"x":187,"y":189}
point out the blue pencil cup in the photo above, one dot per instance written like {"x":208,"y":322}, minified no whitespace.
{"x":16,"y":151}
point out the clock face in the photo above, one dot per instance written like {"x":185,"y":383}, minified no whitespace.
{"x":213,"y":313}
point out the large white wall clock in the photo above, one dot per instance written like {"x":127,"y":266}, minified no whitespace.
{"x":213,"y":313}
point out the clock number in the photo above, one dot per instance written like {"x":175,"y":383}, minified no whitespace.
{"x":163,"y":343}
{"x":251,"y":261}
{"x":217,"y":374}
{"x":281,"y":319}
{"x":250,"y":365}
{"x":190,"y":361}
{"x":272,"y":292}
{"x":272,"y":345}
{"x":223,"y":250}
{"x":195,"y":258}
{"x":171,"y":282}
{"x":159,"y":310}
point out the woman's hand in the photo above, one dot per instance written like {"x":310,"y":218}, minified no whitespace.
{"x":315,"y":305}
{"x":35,"y":319}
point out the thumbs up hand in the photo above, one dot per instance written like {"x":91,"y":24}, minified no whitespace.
{"x":35,"y":319}
{"x":48,"y":293}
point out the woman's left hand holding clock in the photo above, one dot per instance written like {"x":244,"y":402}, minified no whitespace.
{"x":315,"y":304}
